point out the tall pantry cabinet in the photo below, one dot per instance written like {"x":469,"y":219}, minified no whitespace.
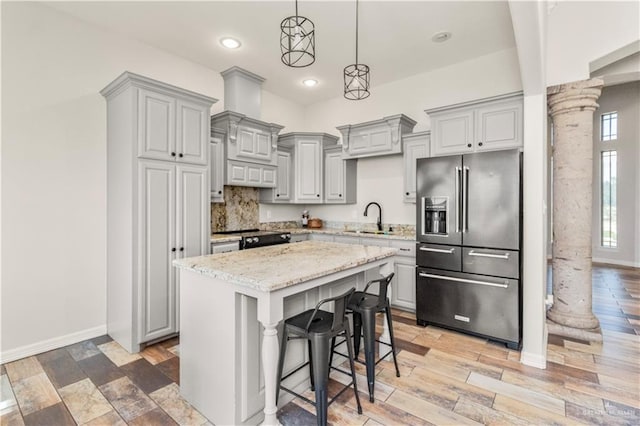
{"x":158,"y":202}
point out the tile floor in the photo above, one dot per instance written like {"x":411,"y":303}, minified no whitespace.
{"x":446,"y":378}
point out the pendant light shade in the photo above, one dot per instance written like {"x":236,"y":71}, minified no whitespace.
{"x":356,"y":76}
{"x":297,"y":41}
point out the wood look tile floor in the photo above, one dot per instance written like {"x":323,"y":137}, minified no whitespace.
{"x":446,"y":378}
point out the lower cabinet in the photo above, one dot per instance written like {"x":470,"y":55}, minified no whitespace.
{"x":225,"y":247}
{"x":173,"y":223}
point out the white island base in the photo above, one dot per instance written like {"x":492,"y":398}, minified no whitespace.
{"x":231,"y":305}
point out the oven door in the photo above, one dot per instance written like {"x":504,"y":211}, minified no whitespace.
{"x":478,"y":304}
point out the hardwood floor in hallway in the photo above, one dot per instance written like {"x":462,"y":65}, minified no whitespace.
{"x":447,"y":378}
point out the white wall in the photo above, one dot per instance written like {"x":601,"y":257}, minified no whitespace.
{"x":54,"y":166}
{"x":380,"y":179}
{"x":582,"y":31}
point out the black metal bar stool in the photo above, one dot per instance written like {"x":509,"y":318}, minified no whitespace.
{"x":364,"y":307}
{"x":320,"y":329}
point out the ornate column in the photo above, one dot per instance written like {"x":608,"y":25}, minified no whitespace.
{"x":571,"y":106}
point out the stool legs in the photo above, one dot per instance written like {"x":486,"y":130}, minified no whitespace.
{"x":357,"y":330}
{"x":353,"y":370}
{"x":387,"y":313}
{"x":320,"y":349}
{"x":369,"y":329}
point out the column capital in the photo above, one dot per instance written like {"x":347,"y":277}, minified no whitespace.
{"x":575,"y":96}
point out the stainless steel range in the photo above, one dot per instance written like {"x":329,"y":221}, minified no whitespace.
{"x":253,"y":238}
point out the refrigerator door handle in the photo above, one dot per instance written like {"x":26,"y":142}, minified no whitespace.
{"x":458,"y":198}
{"x":465,"y":199}
{"x":494,"y":256}
{"x":463,"y":280}
{"x":435,"y":250}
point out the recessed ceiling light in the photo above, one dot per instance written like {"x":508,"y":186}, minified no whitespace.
{"x":309,"y":82}
{"x":230,"y":43}
{"x":441,"y":36}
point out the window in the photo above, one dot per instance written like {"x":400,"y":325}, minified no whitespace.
{"x":609,"y":126}
{"x":609,"y":172}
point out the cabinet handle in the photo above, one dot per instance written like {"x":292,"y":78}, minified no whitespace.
{"x":340,"y":195}
{"x":318,"y":195}
{"x":173,"y":154}
{"x":405,"y":249}
{"x":468,"y":145}
{"x":277,"y":195}
{"x":180,"y":155}
{"x":479,"y":143}
{"x":406,"y":193}
{"x":181,"y":248}
{"x":219,"y":192}
{"x":173,"y":249}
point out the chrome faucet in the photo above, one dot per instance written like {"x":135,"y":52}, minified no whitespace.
{"x":379,"y":223}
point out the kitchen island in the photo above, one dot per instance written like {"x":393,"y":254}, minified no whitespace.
{"x":231,"y":304}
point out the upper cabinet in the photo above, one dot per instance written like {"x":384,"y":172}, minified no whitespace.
{"x":339,"y":177}
{"x":307,"y":152}
{"x":171,"y":128}
{"x":250,"y":149}
{"x":483,"y":125}
{"x":282,"y":192}
{"x":416,"y":145}
{"x":374,"y":138}
{"x":217,"y":164}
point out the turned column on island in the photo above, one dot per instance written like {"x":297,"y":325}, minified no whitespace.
{"x":571,"y":106}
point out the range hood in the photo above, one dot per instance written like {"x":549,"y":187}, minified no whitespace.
{"x":249,"y":144}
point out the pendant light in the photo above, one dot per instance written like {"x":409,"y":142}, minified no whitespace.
{"x":356,"y":76}
{"x":297,"y":41}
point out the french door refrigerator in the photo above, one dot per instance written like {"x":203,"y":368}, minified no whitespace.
{"x":468,"y":228}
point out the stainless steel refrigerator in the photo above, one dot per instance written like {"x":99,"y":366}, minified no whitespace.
{"x":469,"y":232}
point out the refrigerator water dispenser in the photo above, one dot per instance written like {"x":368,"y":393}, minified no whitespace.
{"x":434,"y":215}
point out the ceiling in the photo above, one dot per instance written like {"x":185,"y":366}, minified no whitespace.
{"x":395,"y":36}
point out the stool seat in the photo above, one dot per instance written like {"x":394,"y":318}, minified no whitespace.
{"x":320,"y":324}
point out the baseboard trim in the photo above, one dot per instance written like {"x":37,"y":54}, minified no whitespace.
{"x":616,"y":262}
{"x":50,"y":344}
{"x":533,"y":360}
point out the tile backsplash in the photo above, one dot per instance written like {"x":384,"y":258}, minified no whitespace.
{"x":239,"y":211}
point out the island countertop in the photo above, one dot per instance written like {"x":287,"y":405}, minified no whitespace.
{"x":275,"y":267}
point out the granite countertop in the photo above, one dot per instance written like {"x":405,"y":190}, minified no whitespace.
{"x":396,"y":235}
{"x":275,"y":267}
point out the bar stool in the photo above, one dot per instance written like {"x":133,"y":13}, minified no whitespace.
{"x":320,"y":328}
{"x":364,"y":307}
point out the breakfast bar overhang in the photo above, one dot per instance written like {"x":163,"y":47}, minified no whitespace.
{"x":232,"y":303}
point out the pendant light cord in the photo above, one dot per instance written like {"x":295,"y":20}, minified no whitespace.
{"x":297,"y":12}
{"x":356,"y":33}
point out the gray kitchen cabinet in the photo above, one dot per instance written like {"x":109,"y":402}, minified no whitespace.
{"x":403,"y":294}
{"x":375,"y":138}
{"x":416,"y":145}
{"x":321,"y":237}
{"x":250,"y":149}
{"x":217,"y":163}
{"x":339,"y":177}
{"x":158,"y":204}
{"x":482,"y":125}
{"x":225,"y":247}
{"x":282,"y":192}
{"x":170,"y":128}
{"x":296,"y":238}
{"x":307,"y":151}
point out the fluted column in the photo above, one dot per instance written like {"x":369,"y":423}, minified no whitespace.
{"x":571,"y":106}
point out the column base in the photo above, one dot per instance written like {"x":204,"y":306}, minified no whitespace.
{"x":588,"y":334}
{"x":582,"y":320}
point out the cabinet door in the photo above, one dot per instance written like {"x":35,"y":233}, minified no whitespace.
{"x":452,"y":132}
{"x":253,"y":145}
{"x":157,"y":230}
{"x":334,"y":175}
{"x":308,"y":170}
{"x":193,"y":225}
{"x":217,"y":170}
{"x":403,"y":294}
{"x":412,"y":151}
{"x":283,"y":182}
{"x":192,"y":132}
{"x":499,"y":126}
{"x":156,"y":126}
